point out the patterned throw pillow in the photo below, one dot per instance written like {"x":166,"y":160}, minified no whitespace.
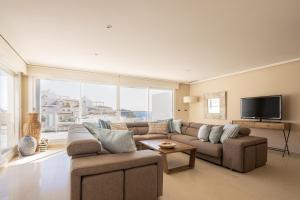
{"x":118,"y":126}
{"x":158,"y":127}
{"x":203,"y":133}
{"x":170,"y":124}
{"x":104,"y":124}
{"x":177,"y":126}
{"x":230,"y":131}
{"x":215,"y":134}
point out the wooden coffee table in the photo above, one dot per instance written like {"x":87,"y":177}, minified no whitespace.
{"x":180,"y":147}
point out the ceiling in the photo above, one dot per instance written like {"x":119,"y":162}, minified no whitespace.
{"x":181,"y":40}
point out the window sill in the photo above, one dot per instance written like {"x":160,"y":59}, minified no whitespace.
{"x":56,"y":139}
{"x":8,"y":155}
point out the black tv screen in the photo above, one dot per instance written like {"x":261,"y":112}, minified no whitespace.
{"x":268,"y":107}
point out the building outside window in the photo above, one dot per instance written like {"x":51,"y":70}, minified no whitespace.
{"x":59,"y":104}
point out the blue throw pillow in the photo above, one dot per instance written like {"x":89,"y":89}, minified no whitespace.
{"x":170,"y":125}
{"x":215,"y":134}
{"x":116,"y":141}
{"x":104,"y":124}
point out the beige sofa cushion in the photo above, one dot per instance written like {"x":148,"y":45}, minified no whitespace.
{"x":158,"y":127}
{"x":186,"y":139}
{"x":207,"y":148}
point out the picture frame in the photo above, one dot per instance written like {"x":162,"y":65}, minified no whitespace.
{"x":215,"y":105}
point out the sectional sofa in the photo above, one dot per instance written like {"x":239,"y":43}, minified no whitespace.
{"x":96,"y":172}
{"x":241,"y":154}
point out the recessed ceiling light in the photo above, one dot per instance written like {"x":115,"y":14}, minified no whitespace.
{"x":108,"y":26}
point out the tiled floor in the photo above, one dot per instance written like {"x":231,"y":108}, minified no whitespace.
{"x":48,"y":178}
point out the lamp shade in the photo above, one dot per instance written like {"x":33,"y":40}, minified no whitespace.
{"x":190,"y":99}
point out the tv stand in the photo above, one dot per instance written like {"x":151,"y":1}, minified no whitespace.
{"x":281,"y":126}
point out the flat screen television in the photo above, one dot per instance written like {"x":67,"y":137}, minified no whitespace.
{"x":267,"y":107}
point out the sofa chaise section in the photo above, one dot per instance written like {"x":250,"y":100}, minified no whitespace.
{"x":98,"y":174}
{"x":246,"y":153}
{"x":241,"y":154}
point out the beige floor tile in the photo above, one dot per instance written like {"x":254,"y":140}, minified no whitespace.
{"x":47,"y":177}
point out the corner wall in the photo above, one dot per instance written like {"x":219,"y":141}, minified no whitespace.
{"x":282,"y":79}
{"x":181,"y":110}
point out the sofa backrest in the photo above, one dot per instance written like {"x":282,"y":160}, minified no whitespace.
{"x":81,"y":142}
{"x":187,"y":128}
{"x":138,"y":128}
{"x":191,"y":129}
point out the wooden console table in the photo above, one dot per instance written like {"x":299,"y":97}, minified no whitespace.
{"x":282,"y":126}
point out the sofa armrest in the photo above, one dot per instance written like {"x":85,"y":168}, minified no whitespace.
{"x":244,"y":153}
{"x":99,"y":164}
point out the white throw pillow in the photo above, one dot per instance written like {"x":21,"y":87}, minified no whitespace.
{"x":230,"y":131}
{"x":203,"y":133}
{"x":177,"y":125}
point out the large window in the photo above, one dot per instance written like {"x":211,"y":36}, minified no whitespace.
{"x":8,"y":102}
{"x":63,"y":103}
{"x":134,"y":104}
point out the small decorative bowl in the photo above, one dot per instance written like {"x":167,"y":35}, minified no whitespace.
{"x":167,"y":145}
